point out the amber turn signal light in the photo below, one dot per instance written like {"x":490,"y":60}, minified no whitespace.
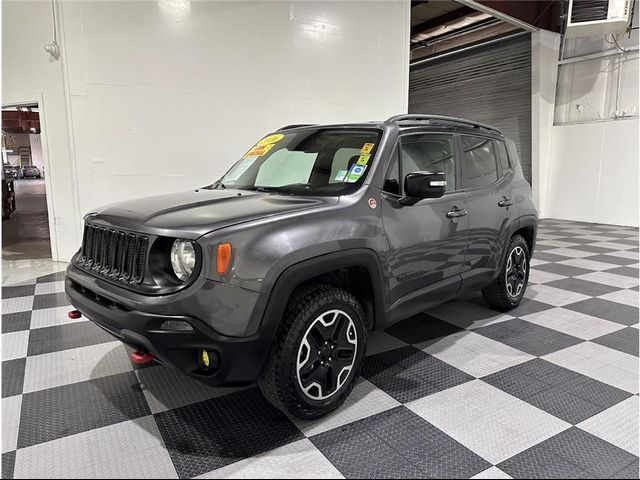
{"x":224,"y":258}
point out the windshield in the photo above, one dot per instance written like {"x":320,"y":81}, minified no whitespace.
{"x":305,"y":162}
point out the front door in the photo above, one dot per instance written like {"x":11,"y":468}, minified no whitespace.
{"x":426,"y":240}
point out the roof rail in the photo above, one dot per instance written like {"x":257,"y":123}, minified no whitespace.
{"x":296,"y":125}
{"x":441,"y":118}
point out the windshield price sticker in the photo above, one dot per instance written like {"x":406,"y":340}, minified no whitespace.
{"x":355,"y":173}
{"x":258,"y":150}
{"x":271,"y":139}
{"x":366,"y":148}
{"x":363,"y":159}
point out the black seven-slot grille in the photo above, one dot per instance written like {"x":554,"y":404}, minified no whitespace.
{"x":119,"y":255}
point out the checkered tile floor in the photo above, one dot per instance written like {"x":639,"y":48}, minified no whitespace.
{"x":548,"y":390}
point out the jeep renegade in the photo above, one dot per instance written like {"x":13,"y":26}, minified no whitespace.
{"x":278,"y":271}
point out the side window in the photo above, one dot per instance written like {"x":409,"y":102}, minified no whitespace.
{"x":429,"y":153}
{"x":504,"y":158}
{"x":479,"y":166}
{"x":392,"y":182}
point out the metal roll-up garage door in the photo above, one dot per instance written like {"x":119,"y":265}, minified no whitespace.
{"x":489,"y":84}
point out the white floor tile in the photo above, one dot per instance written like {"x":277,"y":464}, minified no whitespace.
{"x":504,"y":426}
{"x":573,"y":323}
{"x":540,"y":276}
{"x":617,"y":425}
{"x":570,"y":252}
{"x":51,"y":317}
{"x":605,"y":364}
{"x":365,"y":400}
{"x":75,"y":365}
{"x":493,"y":472}
{"x":49,"y":287}
{"x":633,"y":254}
{"x":474,"y":354}
{"x":300,"y":459}
{"x":612,"y":279}
{"x":554,"y":296}
{"x":587,"y":264}
{"x":17,"y":304}
{"x":614,"y":245}
{"x":10,"y":422}
{"x":15,"y":345}
{"x":131,"y":449}
{"x":625,"y":297}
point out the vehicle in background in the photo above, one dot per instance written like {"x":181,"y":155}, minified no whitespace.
{"x":31,"y":171}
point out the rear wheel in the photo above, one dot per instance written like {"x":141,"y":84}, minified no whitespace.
{"x":508,"y":289}
{"x":317,"y":357}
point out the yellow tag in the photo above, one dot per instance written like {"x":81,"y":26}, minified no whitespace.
{"x":258,"y":150}
{"x":363,"y":159}
{"x":367,"y":147}
{"x":276,"y":137}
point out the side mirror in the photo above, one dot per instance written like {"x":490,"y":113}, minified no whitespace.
{"x":420,"y":185}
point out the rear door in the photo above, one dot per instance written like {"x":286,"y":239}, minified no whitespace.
{"x":486,"y":183}
{"x":426,"y":240}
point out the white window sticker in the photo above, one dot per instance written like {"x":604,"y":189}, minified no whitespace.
{"x":239,"y":168}
{"x":340,"y":176}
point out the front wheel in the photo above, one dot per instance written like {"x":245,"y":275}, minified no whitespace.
{"x":317,"y":357}
{"x":506,"y":292}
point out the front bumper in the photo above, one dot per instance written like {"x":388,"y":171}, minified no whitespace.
{"x":237,"y":360}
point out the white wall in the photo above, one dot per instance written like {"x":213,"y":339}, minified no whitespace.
{"x":35,"y":142}
{"x":592,"y":172}
{"x":164,"y":96}
{"x":593,"y":176}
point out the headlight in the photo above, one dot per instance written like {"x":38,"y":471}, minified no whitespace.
{"x":183,"y":258}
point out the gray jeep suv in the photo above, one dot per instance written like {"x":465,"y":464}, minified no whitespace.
{"x":278,"y":271}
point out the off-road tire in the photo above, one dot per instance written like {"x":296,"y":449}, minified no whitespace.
{"x":496,"y":294}
{"x":278,"y":379}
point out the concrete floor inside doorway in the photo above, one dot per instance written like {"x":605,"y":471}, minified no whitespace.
{"x":26,"y":245}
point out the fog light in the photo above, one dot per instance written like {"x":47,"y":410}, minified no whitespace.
{"x":207,"y":360}
{"x":176,"y":325}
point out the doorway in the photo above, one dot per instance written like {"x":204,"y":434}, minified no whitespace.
{"x":25,"y":231}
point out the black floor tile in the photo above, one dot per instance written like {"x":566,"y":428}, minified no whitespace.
{"x":593,"y":249}
{"x":52,"y":277}
{"x":613,"y":259}
{"x":625,"y":340}
{"x":64,"y":337}
{"x":18,"y":291}
{"x":50,"y":300}
{"x":13,"y":377}
{"x":407,"y":373}
{"x":593,"y":289}
{"x":626,"y":271}
{"x":208,"y":435}
{"x":631,"y":471}
{"x":560,"y":269}
{"x":397,"y":444}
{"x":613,"y":311}
{"x":16,"y":322}
{"x":421,"y":328}
{"x":8,"y":464}
{"x":78,"y":407}
{"x":528,"y":337}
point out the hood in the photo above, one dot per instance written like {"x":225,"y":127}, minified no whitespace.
{"x":194,"y":213}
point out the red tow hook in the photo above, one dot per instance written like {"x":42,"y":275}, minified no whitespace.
{"x":74,"y":314}
{"x":142,"y":358}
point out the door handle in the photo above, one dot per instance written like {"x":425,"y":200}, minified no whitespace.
{"x":506,"y":202}
{"x":455,"y":213}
